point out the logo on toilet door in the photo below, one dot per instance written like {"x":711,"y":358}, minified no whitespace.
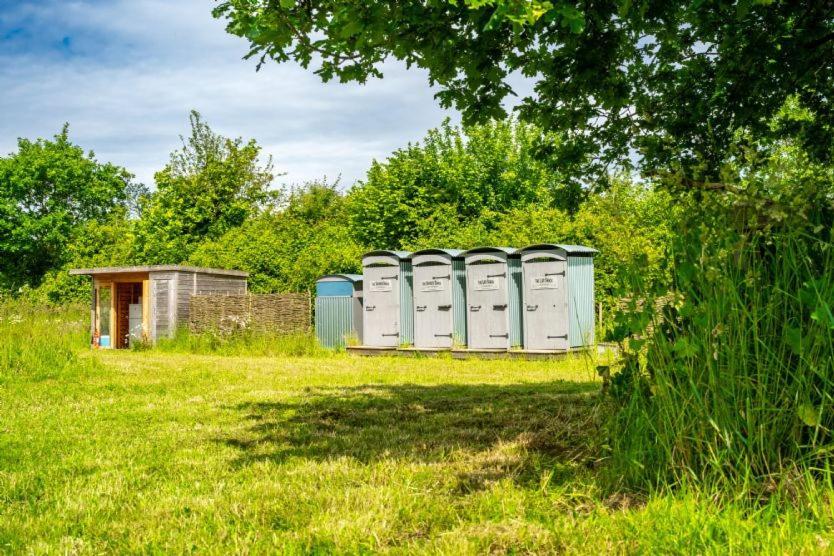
{"x":544,"y":283}
{"x":487,"y":283}
{"x":433,"y":285}
{"x":381,"y":285}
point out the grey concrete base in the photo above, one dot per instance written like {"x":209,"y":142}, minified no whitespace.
{"x":372,"y":350}
{"x":462,"y":353}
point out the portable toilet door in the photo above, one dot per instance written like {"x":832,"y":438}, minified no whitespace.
{"x":545,"y":297}
{"x":434,"y":297}
{"x":382,"y":321}
{"x":338,"y":309}
{"x":487,"y":285}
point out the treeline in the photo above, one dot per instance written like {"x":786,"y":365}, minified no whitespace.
{"x":218,"y":203}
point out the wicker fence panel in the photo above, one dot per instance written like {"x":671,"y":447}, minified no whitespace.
{"x":284,"y":313}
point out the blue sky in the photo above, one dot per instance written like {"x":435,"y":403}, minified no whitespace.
{"x":125,"y":73}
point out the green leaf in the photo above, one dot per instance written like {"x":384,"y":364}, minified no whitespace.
{"x":822,"y":314}
{"x":809,"y":415}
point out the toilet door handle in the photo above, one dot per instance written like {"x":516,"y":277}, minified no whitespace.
{"x":370,"y":307}
{"x":474,"y":308}
{"x":532,"y":307}
{"x":565,"y":336}
{"x":420,"y":308}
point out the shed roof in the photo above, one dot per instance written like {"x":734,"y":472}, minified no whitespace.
{"x":451,"y":252}
{"x":349,"y":277}
{"x":399,"y":254}
{"x":570,"y":249}
{"x":155,"y":268}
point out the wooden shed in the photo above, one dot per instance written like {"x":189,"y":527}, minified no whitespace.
{"x":144,"y":303}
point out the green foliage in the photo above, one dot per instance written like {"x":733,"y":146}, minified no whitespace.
{"x":670,"y":82}
{"x":211,"y":185}
{"x":288,"y":250}
{"x":733,"y":381}
{"x":248,"y":343}
{"x":95,"y":243}
{"x":454,"y":178}
{"x":48,"y":189}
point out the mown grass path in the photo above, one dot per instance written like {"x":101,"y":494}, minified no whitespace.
{"x":165,"y":453}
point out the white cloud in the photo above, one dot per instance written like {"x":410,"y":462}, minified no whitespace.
{"x":133,"y":69}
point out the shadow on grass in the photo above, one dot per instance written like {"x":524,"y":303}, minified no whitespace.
{"x":500,"y":430}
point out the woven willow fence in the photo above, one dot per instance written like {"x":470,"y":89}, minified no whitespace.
{"x":283,"y":313}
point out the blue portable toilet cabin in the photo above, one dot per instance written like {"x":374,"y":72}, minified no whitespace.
{"x":558,"y":295}
{"x":493,"y":298}
{"x":388,"y":319}
{"x":439,"y":298}
{"x":338,"y":309}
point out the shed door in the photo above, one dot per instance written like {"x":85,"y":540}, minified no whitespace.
{"x":381,"y":325}
{"x":433,"y":306}
{"x":545,"y":305}
{"x":488,"y":315}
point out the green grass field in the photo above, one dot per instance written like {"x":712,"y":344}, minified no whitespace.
{"x":171,"y":451}
{"x":159,"y":452}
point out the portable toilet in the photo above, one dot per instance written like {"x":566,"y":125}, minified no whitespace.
{"x":488,"y":292}
{"x":558,"y":294}
{"x":439,"y":298}
{"x":387,"y":316}
{"x":338,"y":309}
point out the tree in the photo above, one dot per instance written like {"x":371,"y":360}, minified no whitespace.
{"x":47,"y":190}
{"x":288,"y":250}
{"x":453,"y":178}
{"x":667,"y":82}
{"x":211,"y":185}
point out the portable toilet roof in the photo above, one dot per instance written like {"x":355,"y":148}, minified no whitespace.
{"x":337,"y":285}
{"x":454,"y":253}
{"x":488,"y":249}
{"x":401,"y":255}
{"x":576,"y":250}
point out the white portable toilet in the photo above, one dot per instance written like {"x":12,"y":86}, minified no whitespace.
{"x":387,"y":316}
{"x":558,"y":296}
{"x":439,"y":300}
{"x":488,"y":297}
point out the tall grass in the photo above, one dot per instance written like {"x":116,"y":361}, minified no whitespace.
{"x":733,"y":388}
{"x":39,"y":340}
{"x":242,"y":343}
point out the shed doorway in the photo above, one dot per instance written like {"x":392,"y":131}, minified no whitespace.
{"x":128,"y":317}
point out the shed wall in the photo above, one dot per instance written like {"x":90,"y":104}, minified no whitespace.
{"x":581,"y":300}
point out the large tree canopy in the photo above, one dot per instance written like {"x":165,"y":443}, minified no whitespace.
{"x":668,"y":83}
{"x":211,"y":185}
{"x":48,"y":190}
